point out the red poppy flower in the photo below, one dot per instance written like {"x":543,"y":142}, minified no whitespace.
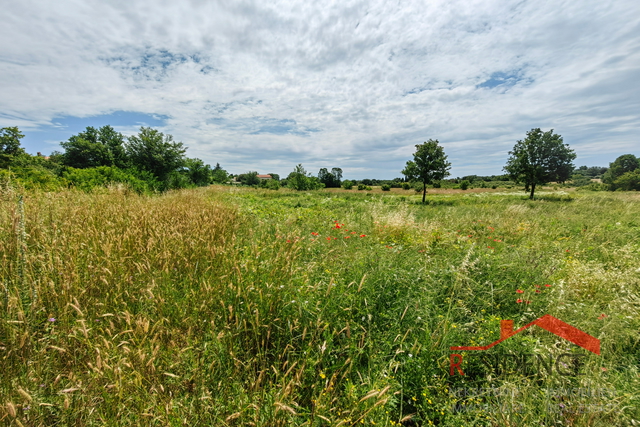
{"x":313,"y":233}
{"x":537,"y":291}
{"x":548,"y":286}
{"x":363,"y":235}
{"x":288,"y":241}
{"x":328,"y":238}
{"x":519,"y":291}
{"x":518,"y":301}
{"x":527,"y":302}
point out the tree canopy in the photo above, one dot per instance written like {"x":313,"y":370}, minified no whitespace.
{"x":153,"y":151}
{"x":623,"y":173}
{"x":540,"y":158}
{"x":95,"y":147}
{"x":429,"y":165}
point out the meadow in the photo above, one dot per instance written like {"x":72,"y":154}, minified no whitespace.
{"x":230,"y":306}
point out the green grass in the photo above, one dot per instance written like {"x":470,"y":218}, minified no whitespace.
{"x":226,"y":306}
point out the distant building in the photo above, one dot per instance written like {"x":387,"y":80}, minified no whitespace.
{"x":265,"y":177}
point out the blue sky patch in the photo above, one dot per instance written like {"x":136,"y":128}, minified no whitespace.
{"x":46,"y":138}
{"x":501,"y":79}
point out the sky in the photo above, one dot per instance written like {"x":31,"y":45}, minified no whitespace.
{"x":263,"y":86}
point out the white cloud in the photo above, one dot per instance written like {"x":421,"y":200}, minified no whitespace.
{"x":346,"y":84}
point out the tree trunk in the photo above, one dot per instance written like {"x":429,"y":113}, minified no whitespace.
{"x":533,"y":188}
{"x":424,"y":191}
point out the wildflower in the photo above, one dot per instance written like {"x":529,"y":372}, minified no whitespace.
{"x":314,"y":233}
{"x":363,"y":235}
{"x":328,"y":238}
{"x":537,"y":291}
{"x":518,"y":301}
{"x":51,"y":319}
{"x":602,"y":316}
{"x":288,"y":241}
{"x":322,"y":375}
{"x":548,"y":286}
{"x":519,"y":291}
{"x":347,"y":237}
{"x":527,"y":302}
{"x":353,"y":232}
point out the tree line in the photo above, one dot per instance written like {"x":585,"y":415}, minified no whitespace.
{"x":146,"y":161}
{"x":540,"y":158}
{"x":153,"y":161}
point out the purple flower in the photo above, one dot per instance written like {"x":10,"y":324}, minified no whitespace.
{"x":51,"y":319}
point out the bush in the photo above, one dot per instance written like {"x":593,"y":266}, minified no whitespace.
{"x":406,"y":186}
{"x":272,"y":184}
{"x":437,"y":184}
{"x":464,"y":184}
{"x":347,"y":185}
{"x":362,"y":187}
{"x":102,"y":176}
{"x":386,"y":187}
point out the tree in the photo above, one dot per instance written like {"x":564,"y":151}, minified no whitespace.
{"x":249,"y":178}
{"x":620,"y":166}
{"x":10,"y":145}
{"x":540,"y":158}
{"x":95,"y":147}
{"x":429,"y":165}
{"x":330,"y":179}
{"x":298,"y":180}
{"x":155,"y":152}
{"x":198,"y":173}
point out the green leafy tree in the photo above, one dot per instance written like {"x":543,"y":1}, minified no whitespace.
{"x":274,"y":176}
{"x":429,"y":165}
{"x":620,"y":166}
{"x":95,"y":147}
{"x":347,"y":185}
{"x":298,"y":180}
{"x":155,"y":152}
{"x":330,"y":179}
{"x":198,"y":173}
{"x":249,"y":178}
{"x":219,"y":175}
{"x":10,"y":145}
{"x":540,"y":158}
{"x":628,"y":181}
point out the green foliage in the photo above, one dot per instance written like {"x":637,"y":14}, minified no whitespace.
{"x":330,"y":179}
{"x":95,"y":147}
{"x":347,"y":185}
{"x":300,"y":181}
{"x":406,"y":186}
{"x":197,"y":172}
{"x":9,"y":145}
{"x":271,"y":184}
{"x":102,"y":176}
{"x":385,"y":187}
{"x":628,"y":181}
{"x":429,"y":165}
{"x":155,"y":152}
{"x":540,"y":158}
{"x":464,"y":185}
{"x":619,"y":167}
{"x":249,"y":178}
{"x":364,"y":187}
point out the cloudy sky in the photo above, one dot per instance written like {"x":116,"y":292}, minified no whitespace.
{"x":352,"y":84}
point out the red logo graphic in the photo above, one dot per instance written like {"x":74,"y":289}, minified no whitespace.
{"x":548,"y":322}
{"x":551,"y":324}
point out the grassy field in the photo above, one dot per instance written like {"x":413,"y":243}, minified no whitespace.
{"x":239,"y":307}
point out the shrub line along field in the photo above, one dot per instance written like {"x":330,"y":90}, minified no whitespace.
{"x":236,"y":306}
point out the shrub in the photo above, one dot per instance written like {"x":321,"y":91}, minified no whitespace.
{"x":386,"y":187}
{"x":406,"y":186}
{"x":437,"y":184}
{"x":362,"y":187}
{"x":347,"y":185}
{"x":464,"y":184}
